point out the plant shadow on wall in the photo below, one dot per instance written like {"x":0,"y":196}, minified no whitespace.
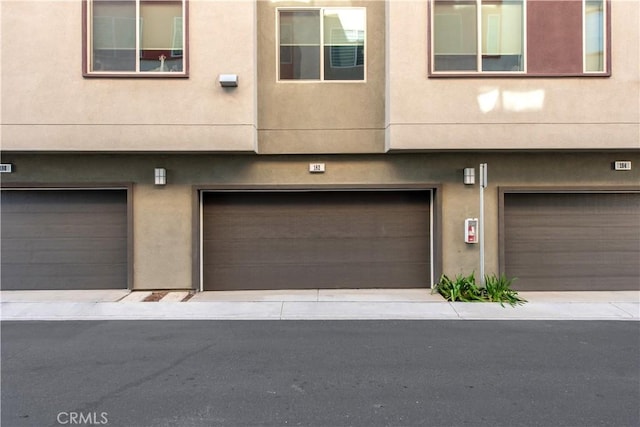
{"x":465,"y":289}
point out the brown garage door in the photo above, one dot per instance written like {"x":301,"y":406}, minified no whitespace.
{"x":308,"y":240}
{"x":64,"y":239}
{"x":572,"y":241}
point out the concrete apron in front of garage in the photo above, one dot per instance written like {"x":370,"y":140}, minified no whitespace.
{"x":323,"y":304}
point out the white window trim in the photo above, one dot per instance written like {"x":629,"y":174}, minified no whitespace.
{"x":478,"y":70}
{"x":89,"y":48}
{"x":321,"y":79}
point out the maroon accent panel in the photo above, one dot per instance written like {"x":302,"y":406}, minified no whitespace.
{"x":554,"y":37}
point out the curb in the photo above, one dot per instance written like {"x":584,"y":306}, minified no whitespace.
{"x":305,"y":310}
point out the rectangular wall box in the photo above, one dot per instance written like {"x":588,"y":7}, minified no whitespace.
{"x":622,"y":165}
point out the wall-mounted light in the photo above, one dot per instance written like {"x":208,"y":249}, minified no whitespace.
{"x":228,"y":80}
{"x":469,"y":176}
{"x":160,"y":176}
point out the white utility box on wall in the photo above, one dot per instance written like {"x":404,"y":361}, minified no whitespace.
{"x":471,"y":230}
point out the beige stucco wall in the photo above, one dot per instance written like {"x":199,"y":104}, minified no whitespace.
{"x":321,"y":117}
{"x":509,"y":113}
{"x":161,"y":231}
{"x":163,"y":219}
{"x":48,"y":105}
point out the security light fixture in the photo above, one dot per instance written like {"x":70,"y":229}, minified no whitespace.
{"x":469,"y":176}
{"x":228,"y":80}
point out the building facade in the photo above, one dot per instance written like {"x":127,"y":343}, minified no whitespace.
{"x":221,"y":145}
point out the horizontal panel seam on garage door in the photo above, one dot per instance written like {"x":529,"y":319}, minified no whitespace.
{"x":570,"y":189}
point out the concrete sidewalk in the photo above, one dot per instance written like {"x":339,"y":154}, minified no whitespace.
{"x":310,"y":305}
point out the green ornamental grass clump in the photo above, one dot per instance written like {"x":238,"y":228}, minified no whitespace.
{"x":498,"y":289}
{"x":464,"y":288}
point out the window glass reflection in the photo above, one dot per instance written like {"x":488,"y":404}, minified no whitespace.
{"x":114,"y":35}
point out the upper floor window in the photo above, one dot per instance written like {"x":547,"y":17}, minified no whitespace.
{"x":135,"y":37}
{"x":533,"y":37}
{"x":478,"y":35}
{"x":321,"y":44}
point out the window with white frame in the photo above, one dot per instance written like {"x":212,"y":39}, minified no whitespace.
{"x":135,"y":37}
{"x":541,"y":37}
{"x":323,"y":44}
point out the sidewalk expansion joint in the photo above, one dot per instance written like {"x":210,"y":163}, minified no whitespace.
{"x":454,"y":310}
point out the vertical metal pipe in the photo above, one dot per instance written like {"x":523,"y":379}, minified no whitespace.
{"x":483,"y":184}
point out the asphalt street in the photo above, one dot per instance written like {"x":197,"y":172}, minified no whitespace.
{"x":320,"y":373}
